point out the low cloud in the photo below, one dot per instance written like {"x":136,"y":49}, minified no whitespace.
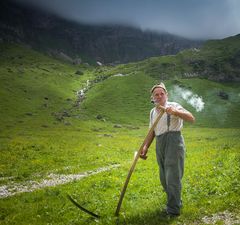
{"x":191,"y":19}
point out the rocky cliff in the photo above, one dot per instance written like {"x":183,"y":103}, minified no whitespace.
{"x":81,"y":42}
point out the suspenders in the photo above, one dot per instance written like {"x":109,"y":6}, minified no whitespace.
{"x":168,"y":121}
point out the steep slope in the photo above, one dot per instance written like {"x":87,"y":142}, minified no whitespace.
{"x":39,"y":91}
{"x":203,"y":74}
{"x":36,"y":89}
{"x":217,"y":60}
{"x":127,"y":100}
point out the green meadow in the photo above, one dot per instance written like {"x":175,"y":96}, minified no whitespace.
{"x":46,"y":132}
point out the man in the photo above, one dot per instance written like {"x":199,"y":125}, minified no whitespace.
{"x":170,"y":149}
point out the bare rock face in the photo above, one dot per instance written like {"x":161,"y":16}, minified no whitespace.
{"x":106,"y":44}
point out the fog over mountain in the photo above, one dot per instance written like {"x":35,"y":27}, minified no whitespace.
{"x":205,"y":19}
{"x":79,"y":42}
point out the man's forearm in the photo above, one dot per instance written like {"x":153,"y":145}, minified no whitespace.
{"x":185,"y":115}
{"x":150,"y":139}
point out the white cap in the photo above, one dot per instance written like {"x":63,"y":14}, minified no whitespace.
{"x":161,"y":85}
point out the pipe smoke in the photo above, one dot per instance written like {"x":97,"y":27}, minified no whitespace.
{"x":193,"y":99}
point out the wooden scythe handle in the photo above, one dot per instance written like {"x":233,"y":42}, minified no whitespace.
{"x":136,"y":159}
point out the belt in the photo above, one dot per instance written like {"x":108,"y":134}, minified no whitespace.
{"x":169,"y":132}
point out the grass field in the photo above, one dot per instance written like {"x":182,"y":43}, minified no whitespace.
{"x":45,"y":136}
{"x":210,"y":185}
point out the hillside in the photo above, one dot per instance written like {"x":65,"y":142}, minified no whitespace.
{"x":217,"y":60}
{"x":36,"y":89}
{"x":39,"y":91}
{"x":127,"y":100}
{"x":211,"y":82}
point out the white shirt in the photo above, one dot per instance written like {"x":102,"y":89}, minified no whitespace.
{"x":176,"y":123}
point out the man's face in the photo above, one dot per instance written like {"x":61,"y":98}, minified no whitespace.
{"x":159,"y":96}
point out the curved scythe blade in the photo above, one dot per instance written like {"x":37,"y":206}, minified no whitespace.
{"x":82,"y":208}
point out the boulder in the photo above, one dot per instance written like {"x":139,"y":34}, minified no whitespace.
{"x":223,"y":95}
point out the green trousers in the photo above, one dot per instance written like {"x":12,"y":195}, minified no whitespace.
{"x":170,"y":152}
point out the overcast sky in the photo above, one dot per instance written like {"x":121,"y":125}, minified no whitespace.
{"x":199,"y":19}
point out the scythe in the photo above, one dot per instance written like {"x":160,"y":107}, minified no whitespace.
{"x":130,"y":171}
{"x":136,"y":159}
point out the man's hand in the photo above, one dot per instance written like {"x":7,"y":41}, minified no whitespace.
{"x":143,"y":154}
{"x":171,"y":110}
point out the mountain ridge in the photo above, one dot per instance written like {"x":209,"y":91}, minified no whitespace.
{"x":107,"y":44}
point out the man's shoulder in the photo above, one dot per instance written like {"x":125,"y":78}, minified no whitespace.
{"x":176,"y":105}
{"x":173,"y":104}
{"x":152,"y":111}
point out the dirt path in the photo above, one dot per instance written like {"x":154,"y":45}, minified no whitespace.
{"x":51,"y":180}
{"x":225,"y":218}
